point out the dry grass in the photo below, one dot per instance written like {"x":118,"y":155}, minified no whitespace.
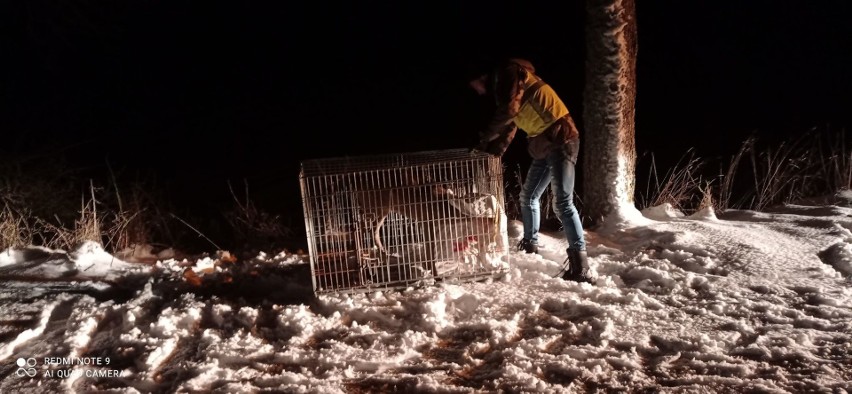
{"x":31,"y":186}
{"x":783,"y":174}
{"x":37,"y":196}
{"x":678,"y":187}
{"x":87,"y":227}
{"x":707,"y":200}
{"x":36,"y":209}
{"x":835,"y":161}
{"x":15,"y":230}
{"x":252,"y":226}
{"x":513,"y":188}
{"x":806,"y":166}
{"x":727,"y":177}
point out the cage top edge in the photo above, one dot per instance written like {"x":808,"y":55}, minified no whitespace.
{"x":358,"y":163}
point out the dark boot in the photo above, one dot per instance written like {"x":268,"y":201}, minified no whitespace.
{"x":578,"y":267}
{"x":527,"y":246}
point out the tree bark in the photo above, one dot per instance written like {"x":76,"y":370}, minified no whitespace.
{"x":609,"y":102}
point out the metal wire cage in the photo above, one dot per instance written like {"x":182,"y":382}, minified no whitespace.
{"x":402,"y":220}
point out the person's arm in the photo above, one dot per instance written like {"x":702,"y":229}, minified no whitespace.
{"x":495,"y":139}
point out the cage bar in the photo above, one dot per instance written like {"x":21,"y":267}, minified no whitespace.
{"x":400,"y":220}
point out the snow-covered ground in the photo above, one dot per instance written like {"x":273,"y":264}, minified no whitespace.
{"x":746,"y":302}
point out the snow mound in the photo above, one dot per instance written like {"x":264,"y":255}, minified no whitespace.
{"x":662,"y":212}
{"x":707,"y":213}
{"x":89,"y":261}
{"x":623,"y":217}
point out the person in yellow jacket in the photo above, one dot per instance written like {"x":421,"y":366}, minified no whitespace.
{"x":525,"y":101}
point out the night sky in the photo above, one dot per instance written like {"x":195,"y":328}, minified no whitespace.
{"x":199,"y":93}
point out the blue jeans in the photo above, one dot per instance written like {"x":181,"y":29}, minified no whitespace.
{"x":558,"y":170}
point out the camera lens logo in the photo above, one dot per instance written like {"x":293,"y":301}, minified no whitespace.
{"x":26,"y":367}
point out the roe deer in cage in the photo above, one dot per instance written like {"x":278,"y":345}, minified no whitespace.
{"x":452,"y":230}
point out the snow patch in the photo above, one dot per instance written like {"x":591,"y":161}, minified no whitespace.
{"x":625,"y":216}
{"x":9,"y":349}
{"x":662,"y":212}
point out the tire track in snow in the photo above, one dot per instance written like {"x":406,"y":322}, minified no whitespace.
{"x":122,"y":334}
{"x":757,"y":255}
{"x":797,"y":329}
{"x":46,"y":341}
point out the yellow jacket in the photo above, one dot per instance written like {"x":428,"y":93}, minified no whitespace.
{"x":525,"y":101}
{"x":539,"y":106}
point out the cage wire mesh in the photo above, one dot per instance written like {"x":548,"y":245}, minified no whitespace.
{"x":401,"y":220}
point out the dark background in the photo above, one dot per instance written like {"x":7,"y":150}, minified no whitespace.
{"x":200,"y":93}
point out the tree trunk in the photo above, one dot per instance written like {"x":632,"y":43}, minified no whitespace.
{"x":609,"y":105}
